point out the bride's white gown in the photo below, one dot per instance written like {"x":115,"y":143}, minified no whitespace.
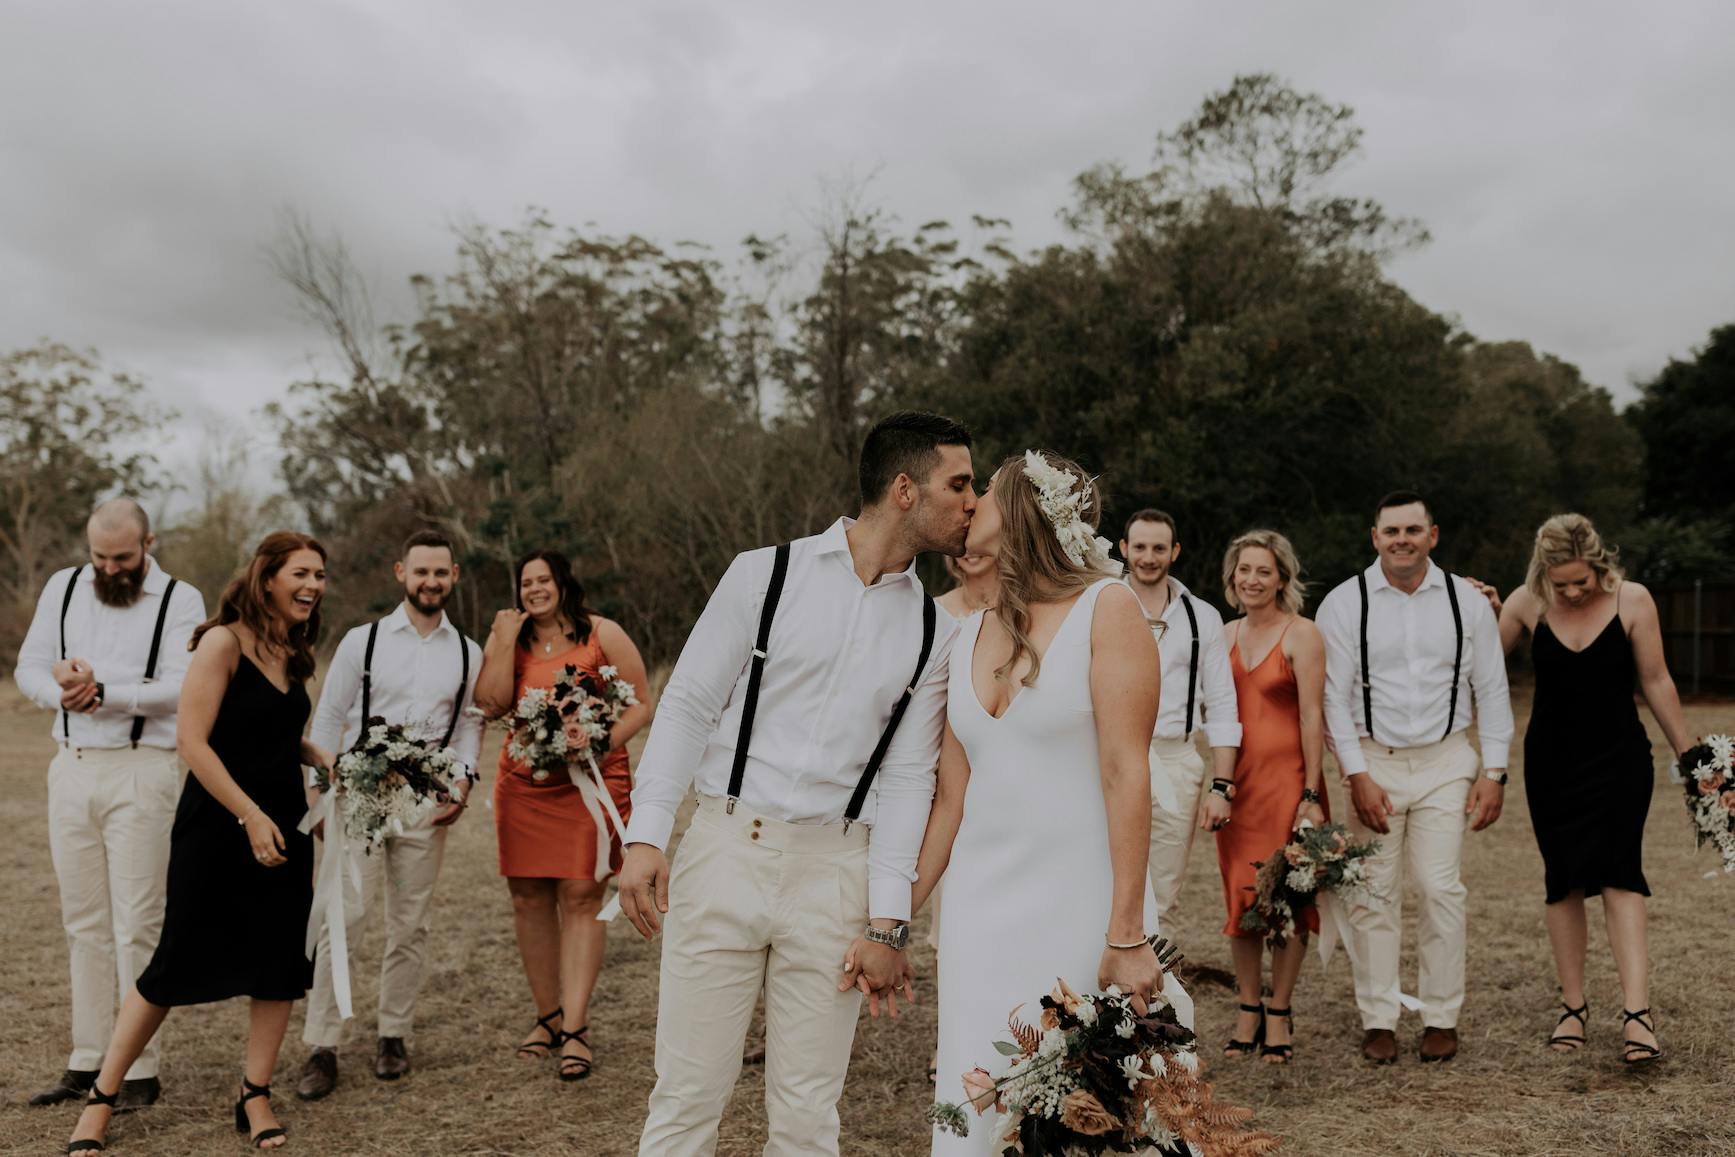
{"x":1029,"y":884}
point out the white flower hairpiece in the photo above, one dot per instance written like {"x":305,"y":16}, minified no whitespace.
{"x":1062,"y":497}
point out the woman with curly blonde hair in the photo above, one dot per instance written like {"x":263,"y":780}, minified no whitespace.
{"x":1278,"y":661}
{"x":1587,"y":759}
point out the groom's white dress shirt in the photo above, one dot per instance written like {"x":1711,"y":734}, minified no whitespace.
{"x":1214,"y":694}
{"x":840,"y":655}
{"x":415,"y":679}
{"x":1410,"y":641}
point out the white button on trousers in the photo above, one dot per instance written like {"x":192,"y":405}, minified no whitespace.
{"x":756,"y":902}
{"x":109,"y":815}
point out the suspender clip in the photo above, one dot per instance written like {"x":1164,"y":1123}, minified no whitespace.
{"x":729,"y":808}
{"x":846,"y":824}
{"x":758,"y":654}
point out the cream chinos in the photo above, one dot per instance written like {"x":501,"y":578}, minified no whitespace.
{"x":1180,"y":768}
{"x":404,"y":868}
{"x":756,"y":901}
{"x":109,"y":815}
{"x":1429,"y":787}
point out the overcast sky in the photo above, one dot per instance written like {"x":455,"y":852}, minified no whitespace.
{"x":1574,"y":161}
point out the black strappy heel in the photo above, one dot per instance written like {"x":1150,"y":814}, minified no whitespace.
{"x":1281,"y":1052}
{"x":249,"y":1090}
{"x":1572,"y":1042}
{"x":575,"y":1068}
{"x":91,"y":1144}
{"x":549,"y":1024}
{"x":1246,"y":1048}
{"x":1645,"y":1053}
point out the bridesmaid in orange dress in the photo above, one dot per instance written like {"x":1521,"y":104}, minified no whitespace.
{"x":547,"y":837}
{"x":1278,"y":661}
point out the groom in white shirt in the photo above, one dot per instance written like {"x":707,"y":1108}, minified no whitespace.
{"x":1412,"y":656}
{"x":798,"y":850}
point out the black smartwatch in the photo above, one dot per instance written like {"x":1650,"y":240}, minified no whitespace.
{"x":1308,"y":795}
{"x":1224,"y":788}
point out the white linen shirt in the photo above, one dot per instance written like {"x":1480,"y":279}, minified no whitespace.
{"x":415,"y":679}
{"x":1214,"y":697}
{"x":839,"y":656}
{"x":1410,"y":640}
{"x":115,"y":641}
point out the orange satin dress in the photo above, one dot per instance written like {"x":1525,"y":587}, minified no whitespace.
{"x":544,"y":829}
{"x":1269,"y":777}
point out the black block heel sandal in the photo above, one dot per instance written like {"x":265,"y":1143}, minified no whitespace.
{"x":249,"y":1090}
{"x":1636,"y":1052}
{"x":1246,"y":1048}
{"x":1281,"y":1053}
{"x":1572,"y":1043}
{"x":97,"y":1097}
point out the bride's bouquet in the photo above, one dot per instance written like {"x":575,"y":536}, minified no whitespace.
{"x":1709,"y":770}
{"x":1315,"y":860}
{"x":546,"y":722}
{"x":1093,"y":1076}
{"x":389,"y":781}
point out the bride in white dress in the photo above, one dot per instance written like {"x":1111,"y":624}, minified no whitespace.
{"x":1041,"y":821}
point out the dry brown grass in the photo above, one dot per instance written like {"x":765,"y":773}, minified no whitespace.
{"x":1504,"y":1095}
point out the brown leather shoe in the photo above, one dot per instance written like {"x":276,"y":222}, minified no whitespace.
{"x":70,"y":1085}
{"x":1380,"y":1045}
{"x":1439,"y":1044}
{"x":392,"y":1060}
{"x":318,"y":1075}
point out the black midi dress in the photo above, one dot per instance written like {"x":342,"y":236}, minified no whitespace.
{"x":232,"y":926}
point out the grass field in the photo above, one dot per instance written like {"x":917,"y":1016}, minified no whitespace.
{"x":1504,"y":1095}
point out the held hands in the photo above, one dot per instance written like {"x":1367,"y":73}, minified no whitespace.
{"x":644,"y":888}
{"x":880,"y":972}
{"x":1486,"y":800}
{"x":1134,"y":971}
{"x":267,"y":841}
{"x":1372,"y":804}
{"x":1215,"y":813}
{"x":506,"y":625}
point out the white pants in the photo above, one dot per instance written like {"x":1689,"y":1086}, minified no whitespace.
{"x":1177,"y":763}
{"x":404,"y":868}
{"x":109,"y":815}
{"x":755,"y":901}
{"x":1429,"y":787}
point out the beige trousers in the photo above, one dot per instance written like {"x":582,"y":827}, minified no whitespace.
{"x":1429,"y":787}
{"x":755,"y":901}
{"x":404,"y":870}
{"x":1181,"y":770}
{"x":109,"y":815}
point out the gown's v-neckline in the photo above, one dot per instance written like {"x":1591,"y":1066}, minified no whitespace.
{"x":1019,"y":693}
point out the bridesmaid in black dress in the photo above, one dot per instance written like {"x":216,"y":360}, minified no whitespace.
{"x":1587,"y":759}
{"x":240,"y":883}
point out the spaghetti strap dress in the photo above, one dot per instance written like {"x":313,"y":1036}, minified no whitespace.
{"x":231,"y":925}
{"x":1588,"y":770}
{"x":544,"y":830}
{"x":1270,"y":774}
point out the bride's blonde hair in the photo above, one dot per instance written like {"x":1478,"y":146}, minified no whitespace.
{"x":1032,"y":566}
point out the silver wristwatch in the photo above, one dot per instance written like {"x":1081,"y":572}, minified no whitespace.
{"x":897,"y":937}
{"x":1498,"y":777}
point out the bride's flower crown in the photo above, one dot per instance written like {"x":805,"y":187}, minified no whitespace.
{"x":1062,"y":496}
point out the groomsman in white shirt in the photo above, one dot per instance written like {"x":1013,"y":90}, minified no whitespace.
{"x":798,"y":853}
{"x":1412,"y":656}
{"x":413,"y":667}
{"x":106,"y":652}
{"x":1198,"y":692}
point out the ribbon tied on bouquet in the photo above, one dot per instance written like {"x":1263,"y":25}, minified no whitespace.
{"x":328,"y":914}
{"x":1335,"y":928}
{"x":606,"y":818}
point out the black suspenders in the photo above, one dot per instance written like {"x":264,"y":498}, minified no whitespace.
{"x":65,"y":605}
{"x":156,"y":645}
{"x":1367,"y":691}
{"x":756,"y":669}
{"x":367,"y":680}
{"x":1192,"y":663}
{"x":150,"y":661}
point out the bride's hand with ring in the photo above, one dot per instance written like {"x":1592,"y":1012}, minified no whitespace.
{"x":1134,"y":971}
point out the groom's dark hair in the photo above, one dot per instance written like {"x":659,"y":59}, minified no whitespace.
{"x":907,"y":442}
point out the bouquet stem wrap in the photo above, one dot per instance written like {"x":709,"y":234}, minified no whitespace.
{"x":607,"y":819}
{"x":328,"y":913}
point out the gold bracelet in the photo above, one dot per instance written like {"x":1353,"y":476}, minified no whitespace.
{"x":1143,"y":942}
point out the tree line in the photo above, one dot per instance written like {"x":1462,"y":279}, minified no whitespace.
{"x":1217,"y":336}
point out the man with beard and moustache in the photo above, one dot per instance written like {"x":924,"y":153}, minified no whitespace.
{"x":1198,"y":689}
{"x":806,"y":709}
{"x":414,"y":668}
{"x":106,"y":652}
{"x":1413,"y":655}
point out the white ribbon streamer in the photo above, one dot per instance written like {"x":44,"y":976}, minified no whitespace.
{"x":603,"y":813}
{"x":328,"y":891}
{"x":1334,"y":927}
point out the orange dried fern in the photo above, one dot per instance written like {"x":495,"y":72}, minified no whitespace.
{"x":1188,"y":1106}
{"x":1025,"y":1036}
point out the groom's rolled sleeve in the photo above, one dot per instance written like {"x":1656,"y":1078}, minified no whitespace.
{"x":711,"y":662}
{"x":905,"y":793}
